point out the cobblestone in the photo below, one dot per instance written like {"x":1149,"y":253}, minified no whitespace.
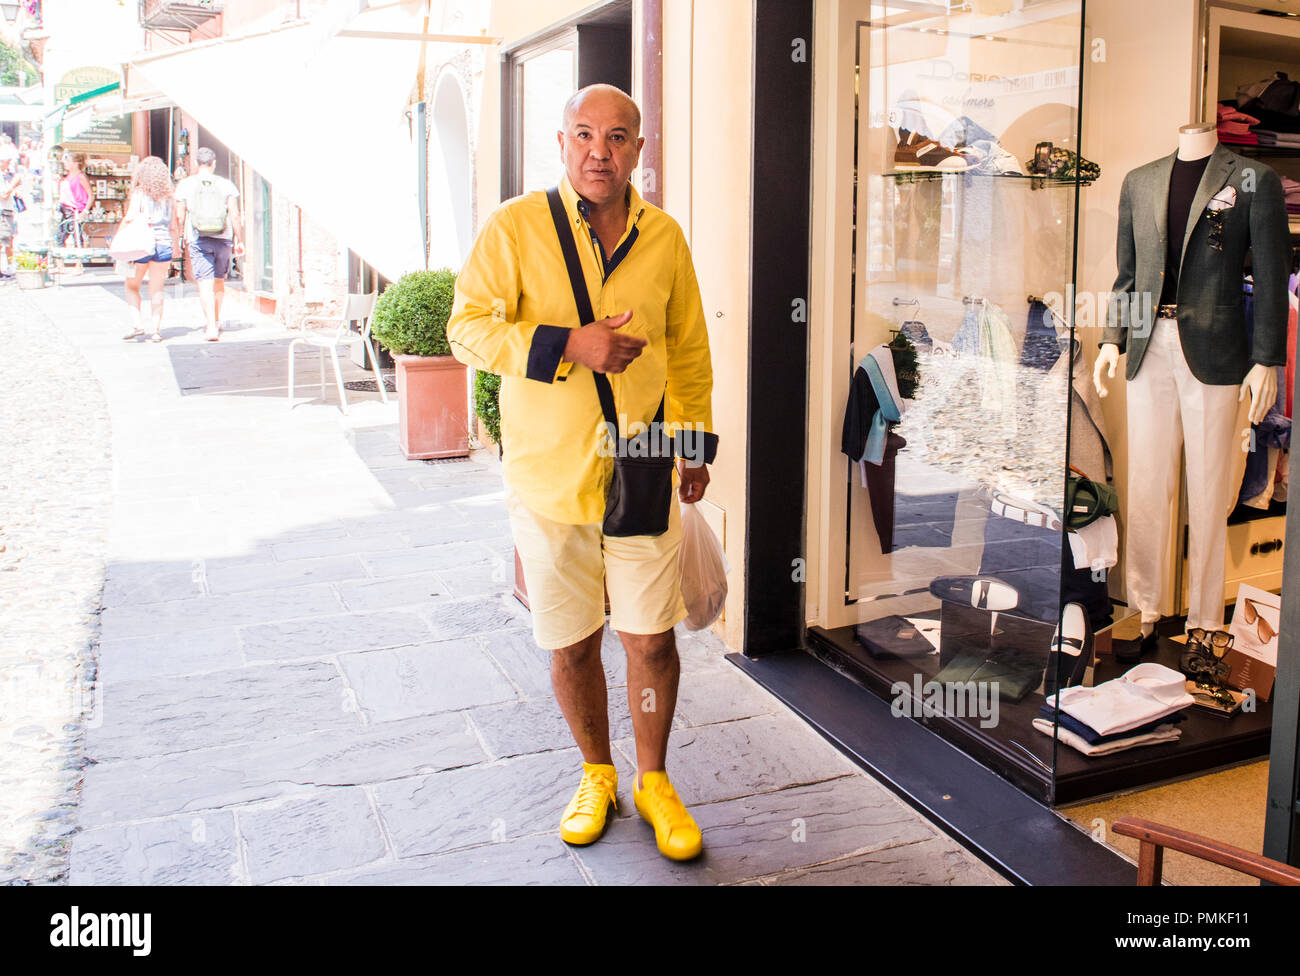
{"x":55,"y":499}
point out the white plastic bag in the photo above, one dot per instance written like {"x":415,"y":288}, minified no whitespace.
{"x":704,"y":569}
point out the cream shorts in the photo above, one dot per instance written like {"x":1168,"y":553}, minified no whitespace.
{"x":568,"y":568}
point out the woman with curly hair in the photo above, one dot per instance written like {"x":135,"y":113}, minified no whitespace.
{"x":152,"y":199}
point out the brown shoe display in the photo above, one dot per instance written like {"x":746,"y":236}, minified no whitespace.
{"x":922,"y":154}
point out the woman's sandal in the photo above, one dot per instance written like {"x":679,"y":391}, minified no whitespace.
{"x":156,"y":337}
{"x":134,"y":335}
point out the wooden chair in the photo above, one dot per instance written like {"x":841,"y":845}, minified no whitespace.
{"x":1154,"y":838}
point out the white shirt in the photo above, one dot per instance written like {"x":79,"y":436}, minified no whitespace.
{"x":1143,"y":694}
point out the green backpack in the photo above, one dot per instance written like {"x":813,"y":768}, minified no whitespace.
{"x":208,"y":211}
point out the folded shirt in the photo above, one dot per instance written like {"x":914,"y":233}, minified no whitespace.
{"x":1233,"y":117}
{"x":1272,"y":137}
{"x":1163,"y":733}
{"x":1090,"y":735}
{"x":1095,"y":546}
{"x":1141,"y":695}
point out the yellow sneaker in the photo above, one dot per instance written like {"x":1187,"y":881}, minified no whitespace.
{"x":676,"y":833}
{"x":585,"y":816}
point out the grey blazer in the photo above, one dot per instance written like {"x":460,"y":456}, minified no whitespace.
{"x":1211,"y":311}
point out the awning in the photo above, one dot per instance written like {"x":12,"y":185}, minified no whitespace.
{"x":15,"y":109}
{"x":80,"y":111}
{"x":324,"y":118}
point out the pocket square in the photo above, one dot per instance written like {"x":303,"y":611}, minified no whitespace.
{"x":1223,"y":200}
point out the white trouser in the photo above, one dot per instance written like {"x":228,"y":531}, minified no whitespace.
{"x":1169,"y":409}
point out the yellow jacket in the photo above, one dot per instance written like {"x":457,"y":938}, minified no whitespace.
{"x":512,"y":315}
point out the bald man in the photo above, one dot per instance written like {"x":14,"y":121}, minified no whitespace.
{"x":515,"y":315}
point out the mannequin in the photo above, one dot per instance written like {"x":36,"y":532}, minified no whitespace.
{"x":1188,"y":354}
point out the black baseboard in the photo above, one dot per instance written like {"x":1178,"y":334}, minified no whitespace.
{"x":1021,"y":838}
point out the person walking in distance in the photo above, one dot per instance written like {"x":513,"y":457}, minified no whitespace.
{"x":74,"y":203}
{"x":209,"y":212}
{"x":646,"y":356}
{"x":11,"y":180}
{"x":152,"y":199}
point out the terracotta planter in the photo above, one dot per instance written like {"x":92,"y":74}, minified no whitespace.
{"x":30,"y":278}
{"x":433,"y":410}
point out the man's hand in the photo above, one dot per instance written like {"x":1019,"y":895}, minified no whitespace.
{"x":238,"y":249}
{"x":694,"y":479}
{"x":601,"y":347}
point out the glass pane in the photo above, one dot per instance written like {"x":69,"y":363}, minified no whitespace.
{"x":961,"y":353}
{"x":548,"y":81}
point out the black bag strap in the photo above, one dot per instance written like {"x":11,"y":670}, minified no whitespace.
{"x":582,"y":300}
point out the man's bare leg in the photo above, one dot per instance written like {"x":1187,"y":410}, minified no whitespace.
{"x":206,"y":303}
{"x":578,"y":678}
{"x":218,"y":294}
{"x":653,"y":670}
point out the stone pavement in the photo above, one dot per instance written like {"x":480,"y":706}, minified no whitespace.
{"x":310,"y":669}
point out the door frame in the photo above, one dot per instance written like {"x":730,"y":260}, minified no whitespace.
{"x":776,"y":452}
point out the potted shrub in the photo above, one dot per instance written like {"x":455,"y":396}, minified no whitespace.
{"x":30,"y":271}
{"x":487,"y":406}
{"x":410,"y":319}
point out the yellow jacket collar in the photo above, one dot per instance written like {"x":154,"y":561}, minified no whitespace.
{"x":570,"y":197}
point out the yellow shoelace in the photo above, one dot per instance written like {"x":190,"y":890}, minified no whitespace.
{"x":593,"y":791}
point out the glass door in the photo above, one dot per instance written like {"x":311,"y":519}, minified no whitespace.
{"x":948,"y":360}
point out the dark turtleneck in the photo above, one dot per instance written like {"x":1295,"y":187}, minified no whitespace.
{"x":1183,"y":182}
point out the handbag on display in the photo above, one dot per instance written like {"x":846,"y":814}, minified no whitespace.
{"x":639,"y":498}
{"x":1087,"y":500}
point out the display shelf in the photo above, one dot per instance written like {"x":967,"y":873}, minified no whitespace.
{"x":1263,"y":152}
{"x":1035,"y":182}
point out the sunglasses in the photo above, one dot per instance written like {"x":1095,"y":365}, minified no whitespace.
{"x":1215,"y":217}
{"x":1263,"y":629}
{"x":1216,"y":642}
{"x":1219,"y":696}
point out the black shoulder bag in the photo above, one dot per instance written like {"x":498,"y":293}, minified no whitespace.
{"x":640,"y":494}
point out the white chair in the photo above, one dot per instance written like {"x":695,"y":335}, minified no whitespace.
{"x":357,"y":309}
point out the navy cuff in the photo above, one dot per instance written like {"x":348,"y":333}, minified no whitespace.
{"x":695,"y":445}
{"x":545,"y":353}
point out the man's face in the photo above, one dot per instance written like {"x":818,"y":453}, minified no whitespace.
{"x":600,"y":147}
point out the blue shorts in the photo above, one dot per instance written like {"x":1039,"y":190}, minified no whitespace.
{"x":162,"y":253}
{"x":210,"y":257}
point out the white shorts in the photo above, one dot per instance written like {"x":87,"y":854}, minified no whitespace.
{"x":569,"y":568}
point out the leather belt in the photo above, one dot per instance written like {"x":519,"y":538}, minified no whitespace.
{"x":1167,"y":312}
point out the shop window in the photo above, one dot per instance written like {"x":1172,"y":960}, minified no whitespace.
{"x":539,"y":75}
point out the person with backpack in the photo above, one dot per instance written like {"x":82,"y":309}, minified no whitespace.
{"x":209,"y":212}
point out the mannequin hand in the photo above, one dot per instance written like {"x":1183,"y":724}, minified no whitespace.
{"x":1261,"y":384}
{"x":1107,"y":360}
